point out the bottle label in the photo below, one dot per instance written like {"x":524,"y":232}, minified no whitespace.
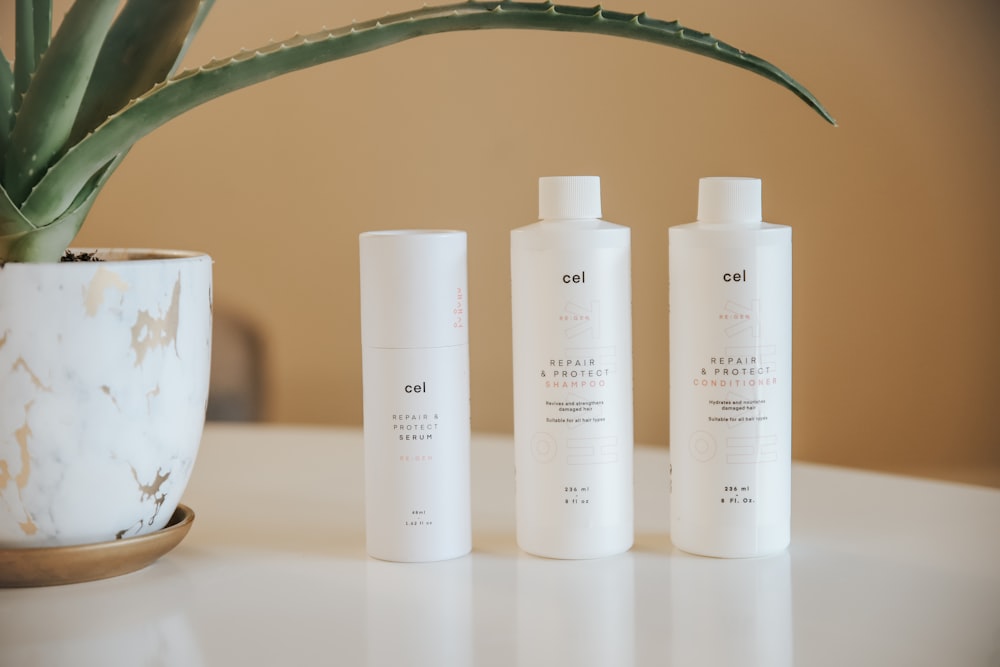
{"x":730,"y":394}
{"x":416,"y":423}
{"x":573,"y":385}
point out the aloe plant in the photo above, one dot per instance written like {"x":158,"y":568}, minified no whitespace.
{"x":73,"y":103}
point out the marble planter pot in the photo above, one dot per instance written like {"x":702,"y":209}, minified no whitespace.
{"x":104,"y":370}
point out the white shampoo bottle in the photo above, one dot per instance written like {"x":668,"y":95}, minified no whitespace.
{"x":572,"y":344}
{"x":415,"y":364}
{"x":730,"y":375}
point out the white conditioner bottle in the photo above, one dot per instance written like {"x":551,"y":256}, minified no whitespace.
{"x":730,"y":375}
{"x":415,"y":367}
{"x":572,"y":346}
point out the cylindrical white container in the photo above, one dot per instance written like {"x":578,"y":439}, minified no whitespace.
{"x":415,"y":359}
{"x":730,"y":375}
{"x":572,"y":332}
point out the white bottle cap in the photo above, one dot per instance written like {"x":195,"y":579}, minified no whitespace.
{"x":729,"y":200}
{"x":414,"y":289}
{"x":569,"y":197}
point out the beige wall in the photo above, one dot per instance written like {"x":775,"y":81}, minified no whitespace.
{"x":895,"y":213}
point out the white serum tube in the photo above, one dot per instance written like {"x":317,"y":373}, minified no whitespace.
{"x":415,"y":363}
{"x":730,"y":375}
{"x":572,"y":345}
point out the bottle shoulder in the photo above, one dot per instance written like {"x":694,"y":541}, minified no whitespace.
{"x":575,"y":233}
{"x":702,"y":234}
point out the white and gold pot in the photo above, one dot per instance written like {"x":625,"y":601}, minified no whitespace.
{"x":104,"y":370}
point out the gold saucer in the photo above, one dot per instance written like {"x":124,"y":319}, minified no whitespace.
{"x":51,"y":566}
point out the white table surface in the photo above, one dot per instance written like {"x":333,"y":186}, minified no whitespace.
{"x":882,"y":570}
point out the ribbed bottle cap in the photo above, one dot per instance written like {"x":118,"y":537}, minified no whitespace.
{"x":414,"y":289}
{"x":569,"y":197}
{"x":729,"y":200}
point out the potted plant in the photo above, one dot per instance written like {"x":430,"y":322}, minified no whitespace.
{"x":103,"y":368}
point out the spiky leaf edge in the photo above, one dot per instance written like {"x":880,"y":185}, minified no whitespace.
{"x":33,"y":19}
{"x":49,"y":106}
{"x":62,"y":185}
{"x":140,"y":50}
{"x":160,"y":52}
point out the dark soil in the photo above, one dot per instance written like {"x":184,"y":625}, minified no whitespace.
{"x":71,"y":256}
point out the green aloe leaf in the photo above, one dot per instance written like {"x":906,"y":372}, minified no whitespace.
{"x":12,"y":221}
{"x":60,"y":185}
{"x":203,"y":9}
{"x":42,"y":15}
{"x":33,"y":19}
{"x":49,"y":106}
{"x":20,"y":241}
{"x":6,"y":107}
{"x":140,"y":50}
{"x":45,"y":244}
